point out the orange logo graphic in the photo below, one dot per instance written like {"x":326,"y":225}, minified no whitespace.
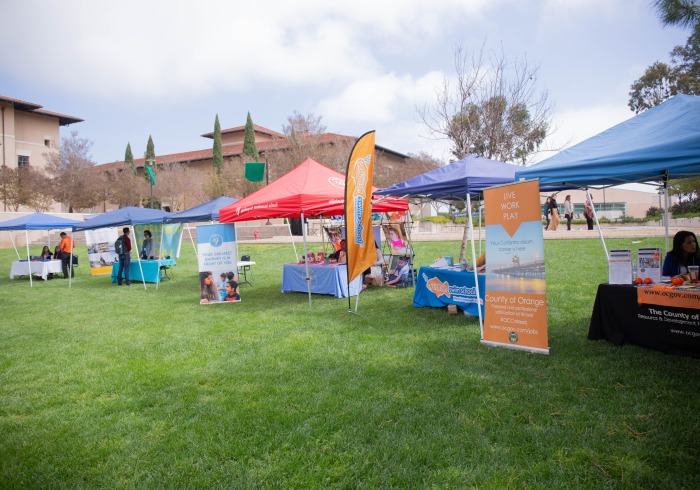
{"x":438,"y":288}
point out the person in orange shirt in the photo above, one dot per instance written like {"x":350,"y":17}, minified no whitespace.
{"x":66,"y":249}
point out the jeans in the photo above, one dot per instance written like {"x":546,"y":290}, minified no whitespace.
{"x":65,"y":265}
{"x":124,"y":265}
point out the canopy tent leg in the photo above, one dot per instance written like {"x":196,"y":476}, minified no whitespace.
{"x":29,"y":265}
{"x":476,"y":273}
{"x":666,"y":210}
{"x":294,"y":245}
{"x":138,"y":258}
{"x":306,"y":262}
{"x":14,"y":245}
{"x":70,"y":261}
{"x":189,"y":232}
{"x":597,"y":223}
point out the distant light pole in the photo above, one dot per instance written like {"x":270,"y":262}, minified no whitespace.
{"x":150,"y":162}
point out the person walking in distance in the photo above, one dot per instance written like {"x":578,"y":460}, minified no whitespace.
{"x":545,"y":211}
{"x":554,"y":212}
{"x":124,"y":252}
{"x":568,"y":211}
{"x":65,"y":248}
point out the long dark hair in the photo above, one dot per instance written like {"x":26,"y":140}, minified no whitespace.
{"x":677,"y":249}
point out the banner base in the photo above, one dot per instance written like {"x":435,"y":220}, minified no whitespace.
{"x":516,"y":347}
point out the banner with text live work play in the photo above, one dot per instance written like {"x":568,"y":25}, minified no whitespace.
{"x":361,"y":252}
{"x":100,"y":246}
{"x":516,"y":306}
{"x":217,"y":254}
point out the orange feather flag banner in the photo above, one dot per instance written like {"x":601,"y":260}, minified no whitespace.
{"x":359,"y":237}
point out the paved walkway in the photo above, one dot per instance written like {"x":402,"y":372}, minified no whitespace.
{"x":561,"y":234}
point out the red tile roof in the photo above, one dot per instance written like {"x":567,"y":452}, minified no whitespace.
{"x":256,"y":128}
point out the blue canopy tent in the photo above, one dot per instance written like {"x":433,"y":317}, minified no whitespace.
{"x":209,"y":211}
{"x":128,"y":216}
{"x":458,"y":181}
{"x":36,"y":221}
{"x":654,"y":146}
{"x":469,"y":176}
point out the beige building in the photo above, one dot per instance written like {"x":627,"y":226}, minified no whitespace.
{"x":28,"y":132}
{"x":612,"y":203}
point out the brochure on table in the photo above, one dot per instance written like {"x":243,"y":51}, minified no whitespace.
{"x":649,"y":263}
{"x":620,"y":267}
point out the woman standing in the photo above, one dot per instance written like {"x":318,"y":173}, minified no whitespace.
{"x":588,"y":213}
{"x":684,"y":253}
{"x":545,"y":211}
{"x":568,"y":211}
{"x":554,"y":211}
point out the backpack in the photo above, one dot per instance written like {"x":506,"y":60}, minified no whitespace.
{"x":119,"y":245}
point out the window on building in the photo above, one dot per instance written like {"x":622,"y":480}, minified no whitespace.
{"x":47,"y":143}
{"x":22,"y":161}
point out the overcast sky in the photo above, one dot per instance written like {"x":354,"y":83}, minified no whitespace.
{"x":132,"y":69}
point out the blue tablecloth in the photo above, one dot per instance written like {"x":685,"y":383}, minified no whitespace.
{"x":151,"y":272}
{"x":442,"y":287}
{"x":325,"y":279}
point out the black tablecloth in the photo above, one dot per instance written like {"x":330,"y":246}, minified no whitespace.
{"x":619,"y":318}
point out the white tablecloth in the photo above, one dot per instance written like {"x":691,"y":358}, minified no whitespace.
{"x":43,"y":269}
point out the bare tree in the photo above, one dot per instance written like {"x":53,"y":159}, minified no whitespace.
{"x":123,"y":187}
{"x":175,"y":188}
{"x":492,"y":107}
{"x":73,"y":176}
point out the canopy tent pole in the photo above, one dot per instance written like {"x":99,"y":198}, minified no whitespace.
{"x":289,"y":227}
{"x":70,"y":261}
{"x":481,"y":207}
{"x":189,"y":232}
{"x":138,"y":258}
{"x":306,"y":261}
{"x":29,"y":265}
{"x":666,"y":209}
{"x":476,"y":273}
{"x":12,"y":239}
{"x":597,"y":223}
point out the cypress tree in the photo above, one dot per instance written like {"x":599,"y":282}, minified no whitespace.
{"x":249,"y":148}
{"x":129,"y":158}
{"x":217,"y":154}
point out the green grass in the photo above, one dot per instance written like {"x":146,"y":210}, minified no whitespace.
{"x":102,"y":386}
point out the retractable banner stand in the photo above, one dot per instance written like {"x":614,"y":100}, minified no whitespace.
{"x":100,"y":245}
{"x":217,"y":254}
{"x":516,"y":305}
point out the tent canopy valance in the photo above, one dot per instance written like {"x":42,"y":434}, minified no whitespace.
{"x":308,"y":190}
{"x":661,"y":142}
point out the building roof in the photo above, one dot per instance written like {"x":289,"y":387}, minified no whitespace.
{"x":279,"y":143}
{"x":24,"y":106}
{"x":238,"y":129}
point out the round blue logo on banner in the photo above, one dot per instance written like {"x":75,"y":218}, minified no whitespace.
{"x":216,"y":240}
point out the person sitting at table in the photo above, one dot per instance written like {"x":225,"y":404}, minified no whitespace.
{"x":207,"y":288}
{"x":684,"y":253}
{"x":147,"y":250}
{"x":232,"y":291}
{"x":46,"y":253}
{"x":399,"y":275}
{"x":335,"y":256}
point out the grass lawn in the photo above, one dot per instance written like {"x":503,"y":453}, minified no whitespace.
{"x":106,"y":386}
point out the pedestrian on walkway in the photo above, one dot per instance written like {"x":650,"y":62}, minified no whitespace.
{"x":545,"y":211}
{"x":568,"y":211}
{"x":554,"y":213}
{"x":588,"y":212}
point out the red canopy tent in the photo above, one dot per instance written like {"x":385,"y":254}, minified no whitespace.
{"x":309,"y":190}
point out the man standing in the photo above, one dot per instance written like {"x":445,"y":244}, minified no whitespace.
{"x":124,"y":258}
{"x":65,"y":248}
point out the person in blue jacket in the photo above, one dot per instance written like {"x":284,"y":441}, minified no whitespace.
{"x":684,"y":253}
